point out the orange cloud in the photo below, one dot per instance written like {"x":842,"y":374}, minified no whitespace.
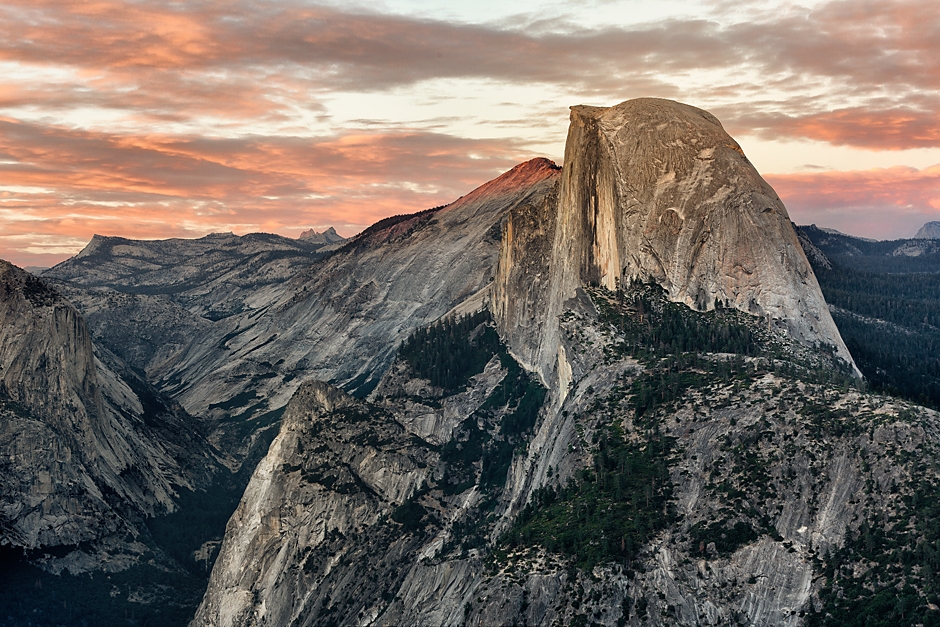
{"x":248,"y":60}
{"x":861,"y":73}
{"x":63,"y":183}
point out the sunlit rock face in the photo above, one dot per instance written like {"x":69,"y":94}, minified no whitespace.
{"x":655,"y":190}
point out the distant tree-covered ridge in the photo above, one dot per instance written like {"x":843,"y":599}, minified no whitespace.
{"x":887,"y":308}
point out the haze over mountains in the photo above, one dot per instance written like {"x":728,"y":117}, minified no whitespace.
{"x":611,"y":393}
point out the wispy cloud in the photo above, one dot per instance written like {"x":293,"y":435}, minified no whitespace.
{"x":212,"y":114}
{"x":63,"y":181}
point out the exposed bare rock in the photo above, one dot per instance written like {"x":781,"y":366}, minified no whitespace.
{"x":930,"y":230}
{"x":86,"y":448}
{"x":326,"y":238}
{"x":214,"y":276}
{"x":655,"y":190}
{"x":813,"y":253}
{"x":341,"y":319}
{"x":231,"y":326}
{"x":771,"y":481}
{"x":315,"y":517}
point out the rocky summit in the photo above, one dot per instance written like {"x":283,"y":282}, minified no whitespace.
{"x":605,"y":394}
{"x":655,"y":190}
{"x":930,"y":230}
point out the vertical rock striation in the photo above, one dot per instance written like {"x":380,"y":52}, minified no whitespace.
{"x":655,"y":190}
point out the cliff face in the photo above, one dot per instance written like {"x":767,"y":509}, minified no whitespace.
{"x":86,"y":448}
{"x":654,"y":190}
{"x":348,"y":498}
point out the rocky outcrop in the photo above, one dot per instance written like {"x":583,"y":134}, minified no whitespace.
{"x":341,"y":507}
{"x":813,"y":254}
{"x":930,"y":230}
{"x":86,"y":447}
{"x":326,"y":238}
{"x":654,"y":190}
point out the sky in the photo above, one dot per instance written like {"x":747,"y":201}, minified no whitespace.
{"x":155,"y":119}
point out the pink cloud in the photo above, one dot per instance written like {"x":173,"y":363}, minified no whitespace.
{"x":887,"y":203}
{"x":71,"y":184}
{"x":860,"y":73}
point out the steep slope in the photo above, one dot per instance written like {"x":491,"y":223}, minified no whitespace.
{"x":231,"y":335}
{"x":87,"y":449}
{"x":654,"y":190}
{"x":702,"y":469}
{"x":340,"y":320}
{"x":930,"y":230}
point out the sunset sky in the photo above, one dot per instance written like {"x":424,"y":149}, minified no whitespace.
{"x":153,"y":119}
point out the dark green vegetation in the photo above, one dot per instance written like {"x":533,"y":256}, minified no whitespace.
{"x":903,"y":565}
{"x":649,"y":325}
{"x":163,"y":590}
{"x":888,"y":311}
{"x":36,"y":598}
{"x":480,"y":452}
{"x":451,"y":351}
{"x":607,"y":512}
{"x":610,"y":510}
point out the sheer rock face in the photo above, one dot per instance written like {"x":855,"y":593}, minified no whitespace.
{"x":657,"y":191}
{"x":84,"y":446}
{"x":330,"y":480}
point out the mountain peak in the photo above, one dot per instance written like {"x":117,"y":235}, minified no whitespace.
{"x":327,"y":237}
{"x":931,"y":230}
{"x":656,"y":191}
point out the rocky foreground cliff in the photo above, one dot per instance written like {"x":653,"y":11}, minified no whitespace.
{"x":648,"y":419}
{"x":88,"y":448}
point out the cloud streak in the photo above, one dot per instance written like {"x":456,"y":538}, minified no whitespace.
{"x":246,"y":59}
{"x":66,"y":182}
{"x":153,"y":119}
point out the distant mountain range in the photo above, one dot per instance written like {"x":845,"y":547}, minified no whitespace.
{"x":326,"y":238}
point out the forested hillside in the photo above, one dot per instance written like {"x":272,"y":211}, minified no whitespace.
{"x":887,"y":306}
